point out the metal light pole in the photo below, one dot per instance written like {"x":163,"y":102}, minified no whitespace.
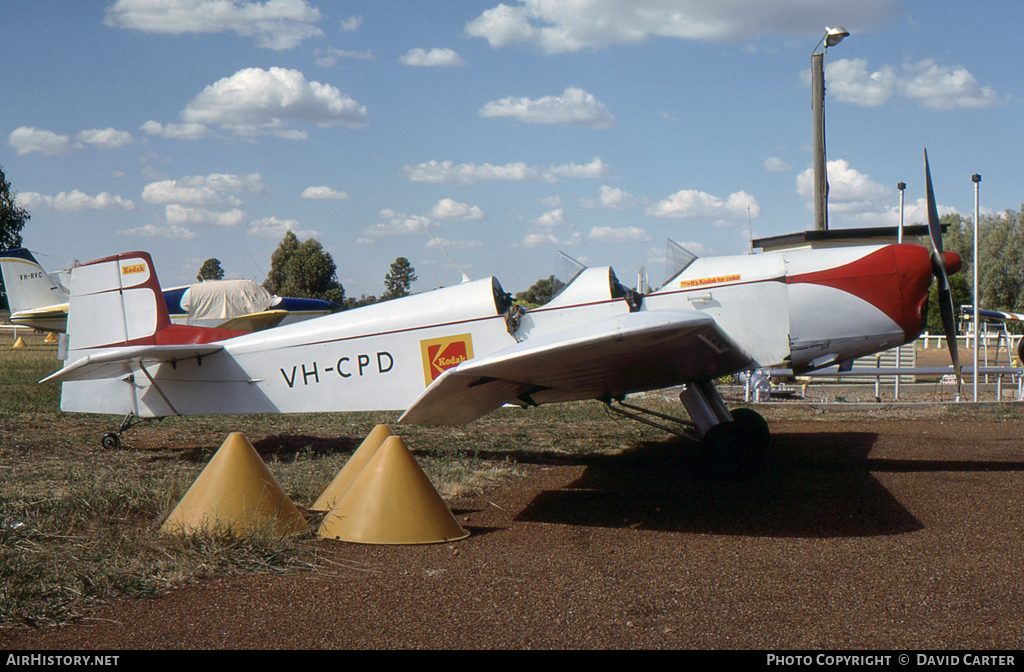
{"x":899,"y":239}
{"x":832,"y":37}
{"x":976,"y":178}
{"x":899,"y":234}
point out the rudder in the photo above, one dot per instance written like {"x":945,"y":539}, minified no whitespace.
{"x":116,"y":301}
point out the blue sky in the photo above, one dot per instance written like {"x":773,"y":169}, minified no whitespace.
{"x":499,"y":132}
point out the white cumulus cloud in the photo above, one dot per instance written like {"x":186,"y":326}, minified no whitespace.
{"x":254,"y":102}
{"x":74,"y":201}
{"x":175,"y":131}
{"x":610,"y":198}
{"x":398,"y":224}
{"x":276,"y":24}
{"x":549,"y":239}
{"x":447,"y":172}
{"x":855,"y":196}
{"x":214,"y":189}
{"x":574,"y":106}
{"x":171,"y":232}
{"x":324,"y":194}
{"x":451,"y":209}
{"x":850,"y":191}
{"x":105,"y":138}
{"x":556,"y":26}
{"x":27,"y":139}
{"x":180,"y":215}
{"x":924,"y":82}
{"x":435,"y":58}
{"x":691,"y":203}
{"x":626,"y":234}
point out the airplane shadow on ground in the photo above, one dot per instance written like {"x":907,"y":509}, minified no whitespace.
{"x":811,"y":485}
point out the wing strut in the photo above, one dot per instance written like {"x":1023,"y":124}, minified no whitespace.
{"x":689,"y":433}
{"x":156,"y":387}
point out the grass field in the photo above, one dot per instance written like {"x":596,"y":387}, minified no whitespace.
{"x":79,"y":523}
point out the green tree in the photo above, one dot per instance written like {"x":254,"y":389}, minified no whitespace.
{"x":303,"y":270}
{"x":12,"y":221}
{"x":399,"y":279}
{"x":363,"y":300}
{"x":210,"y":270}
{"x":1001,"y":272}
{"x":540,"y":292}
{"x":12,"y":216}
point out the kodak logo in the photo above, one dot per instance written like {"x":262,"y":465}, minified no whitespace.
{"x":441,"y":354}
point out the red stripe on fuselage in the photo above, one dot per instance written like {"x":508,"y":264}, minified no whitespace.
{"x":894,"y":279}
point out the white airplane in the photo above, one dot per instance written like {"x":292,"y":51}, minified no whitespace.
{"x":452,"y":355}
{"x":39,"y":300}
{"x":36,"y":300}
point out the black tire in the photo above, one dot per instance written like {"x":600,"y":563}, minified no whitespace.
{"x":756,"y":422}
{"x":733,"y":450}
{"x":110,"y":441}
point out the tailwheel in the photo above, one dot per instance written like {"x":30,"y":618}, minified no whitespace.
{"x":734,"y":450}
{"x":112,"y":440}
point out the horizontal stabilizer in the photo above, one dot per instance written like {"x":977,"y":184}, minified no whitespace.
{"x":122,"y":361}
{"x":607,"y":358}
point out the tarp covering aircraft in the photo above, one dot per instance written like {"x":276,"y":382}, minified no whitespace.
{"x":239,"y":304}
{"x":454,"y":354}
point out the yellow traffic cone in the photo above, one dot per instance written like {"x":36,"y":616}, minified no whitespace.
{"x":236,"y":493}
{"x":20,"y":343}
{"x":50,"y":338}
{"x":350,"y":471}
{"x":391,"y":502}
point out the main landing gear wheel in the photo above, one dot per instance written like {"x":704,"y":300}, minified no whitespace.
{"x":734,"y":450}
{"x":756,"y":422}
{"x":110,"y":441}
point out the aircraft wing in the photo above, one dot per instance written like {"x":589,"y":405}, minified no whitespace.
{"x":123,"y":361}
{"x":255,"y":321}
{"x":634,"y":352}
{"x":997,"y":314}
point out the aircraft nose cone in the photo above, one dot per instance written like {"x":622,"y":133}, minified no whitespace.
{"x":916,"y":271}
{"x":953,"y":262}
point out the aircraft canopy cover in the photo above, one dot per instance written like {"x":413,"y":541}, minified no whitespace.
{"x":225,"y":299}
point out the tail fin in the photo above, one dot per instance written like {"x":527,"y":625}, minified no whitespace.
{"x":117,"y":301}
{"x":28,"y":285}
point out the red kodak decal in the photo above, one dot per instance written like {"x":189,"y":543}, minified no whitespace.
{"x":445,"y":356}
{"x":441,"y":354}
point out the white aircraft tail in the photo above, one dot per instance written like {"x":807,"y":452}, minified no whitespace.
{"x":28,"y":286}
{"x":115,"y":302}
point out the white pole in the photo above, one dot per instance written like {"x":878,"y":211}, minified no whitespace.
{"x":899,"y":239}
{"x":899,"y":234}
{"x":976,"y":178}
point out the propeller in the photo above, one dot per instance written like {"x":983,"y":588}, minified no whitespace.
{"x":941,"y":276}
